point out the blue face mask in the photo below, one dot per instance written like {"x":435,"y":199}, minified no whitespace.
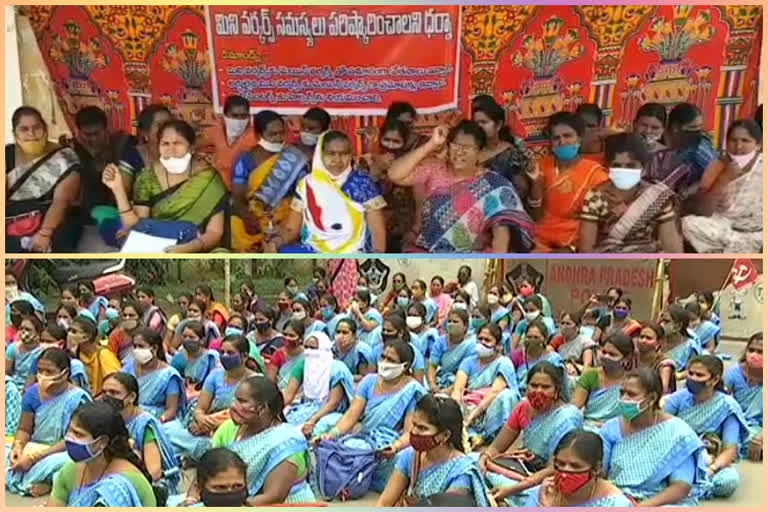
{"x":567,"y":152}
{"x":230,"y":361}
{"x":695,"y":386}
{"x":403,"y":301}
{"x":327,"y":312}
{"x":629,"y":410}
{"x":232,"y":331}
{"x":79,"y":451}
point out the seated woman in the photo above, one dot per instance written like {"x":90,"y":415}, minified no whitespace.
{"x":266,"y":337}
{"x":214,"y":311}
{"x":745,"y":382}
{"x":120,"y":339}
{"x":195,"y":313}
{"x":618,"y":320}
{"x":650,"y":122}
{"x":394,"y":328}
{"x":88,"y":300}
{"x":183,"y":197}
{"x":578,"y":479}
{"x":275,"y":452}
{"x":487,"y":216}
{"x":544,"y":418}
{"x":422,"y":335}
{"x":326,"y":387}
{"x":626,"y":214}
{"x":654,"y":458}
{"x":717,"y":418}
{"x":533,"y":308}
{"x":690,"y":151}
{"x":499,"y":313}
{"x":337,"y":208}
{"x":503,"y":154}
{"x":436,"y":462}
{"x":302,"y":311}
{"x":262,"y":181}
{"x":597,"y":390}
{"x":707,"y":302}
{"x":706,"y":332}
{"x":728,"y":213}
{"x":357,"y":356}
{"x":330,"y":313}
{"x":148,"y":438}
{"x":191,"y":435}
{"x":222,"y":478}
{"x":681,"y":342}
{"x":449,"y":352}
{"x":21,"y":356}
{"x":367,"y":317}
{"x":12,"y":407}
{"x":650,"y":343}
{"x":384,"y":406}
{"x":561,"y":183}
{"x":280,"y":361}
{"x":104,"y":471}
{"x":38,"y":449}
{"x":194,"y":361}
{"x":577,"y":350}
{"x":419,"y":295}
{"x":161,"y":388}
{"x":151,"y":314}
{"x":99,"y":361}
{"x":42,"y":187}
{"x":486,"y":387}
{"x":533,"y":352}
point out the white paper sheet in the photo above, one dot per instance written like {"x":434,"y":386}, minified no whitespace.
{"x":141,"y":243}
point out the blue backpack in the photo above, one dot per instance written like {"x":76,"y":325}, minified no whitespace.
{"x":344,"y":470}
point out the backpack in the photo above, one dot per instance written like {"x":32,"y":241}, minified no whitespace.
{"x":343,"y":471}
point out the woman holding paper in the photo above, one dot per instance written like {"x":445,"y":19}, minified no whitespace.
{"x":176,"y":196}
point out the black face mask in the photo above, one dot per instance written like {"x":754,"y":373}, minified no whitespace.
{"x":115,"y":403}
{"x":16,"y":320}
{"x":224,"y":499}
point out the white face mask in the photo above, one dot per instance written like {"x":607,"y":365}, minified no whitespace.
{"x":743,"y":160}
{"x":272,"y":147}
{"x":651,"y":139}
{"x":63,"y":323}
{"x":459,"y":305}
{"x":11,"y":293}
{"x":142,"y":355}
{"x":413,"y":322}
{"x":492,"y":299}
{"x":235,"y":127}
{"x":390,"y":371}
{"x":176,"y":165}
{"x":625,"y":178}
{"x":533,"y":315}
{"x":299,"y":315}
{"x":309,"y":139}
{"x":483,"y":351}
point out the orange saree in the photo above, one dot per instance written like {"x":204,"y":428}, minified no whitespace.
{"x":558,"y":226}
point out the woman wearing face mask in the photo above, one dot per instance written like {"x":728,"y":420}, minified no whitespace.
{"x":326,"y":386}
{"x":682,"y":165}
{"x":499,"y":313}
{"x":543,"y":418}
{"x":394,"y":328}
{"x":99,"y":361}
{"x":148,"y":124}
{"x":449,"y":352}
{"x":161,"y":388}
{"x":626,"y":214}
{"x":88,"y":300}
{"x":402,"y":301}
{"x":706,"y":332}
{"x":330,"y":314}
{"x":196,"y":313}
{"x":222,"y":478}
{"x":39,"y":214}
{"x":265,"y":337}
{"x":38,"y":449}
{"x":436,"y":462}
{"x":526,"y":289}
{"x":214,"y":311}
{"x":358,"y":357}
{"x":576,"y":349}
{"x":55,"y":336}
{"x":745,"y":382}
{"x":15,"y":313}
{"x":314,"y":123}
{"x":191,"y":435}
{"x":148,"y":437}
{"x":283,"y":310}
{"x":262,"y":181}
{"x":650,"y":343}
{"x":578,"y":480}
{"x":240,"y":305}
{"x":302,"y":312}
{"x":275,"y":452}
{"x":716,"y":416}
{"x":448,"y":225}
{"x":151,"y":314}
{"x":597,"y":389}
{"x":194,"y":360}
{"x":337,"y":208}
{"x":486,"y":387}
{"x":281,"y":361}
{"x":184,"y":196}
{"x":21,"y":356}
{"x":727,"y":208}
{"x":368,"y":319}
{"x":103,"y":471}
{"x":681,"y":343}
{"x":419,"y":294}
{"x":389,"y":300}
{"x":534,"y":351}
{"x":562,"y":181}
{"x":383,"y":405}
{"x":532,"y":307}
{"x":183,"y":301}
{"x":654,"y":458}
{"x":650,"y":122}
{"x":422,"y":335}
{"x":120,"y":339}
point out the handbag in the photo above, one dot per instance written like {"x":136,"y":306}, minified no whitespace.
{"x":516,"y":465}
{"x":25,"y":224}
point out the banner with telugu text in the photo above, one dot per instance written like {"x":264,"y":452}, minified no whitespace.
{"x":347,"y":59}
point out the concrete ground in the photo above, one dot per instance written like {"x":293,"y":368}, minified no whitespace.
{"x":749,"y":493}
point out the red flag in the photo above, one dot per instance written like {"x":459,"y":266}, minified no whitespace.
{"x":743,"y":274}
{"x":343,"y":275}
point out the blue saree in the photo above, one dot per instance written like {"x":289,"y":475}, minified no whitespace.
{"x":750,"y":398}
{"x":641,"y":464}
{"x":12,"y":407}
{"x":482,"y":378}
{"x":51,"y":423}
{"x":298,"y":413}
{"x":154,"y":387}
{"x":24,"y":362}
{"x":707,"y":331}
{"x":602,"y":405}
{"x":78,"y":375}
{"x":447,"y":359}
{"x":550,"y":357}
{"x":682,"y":353}
{"x":137,"y":427}
{"x":431,"y":307}
{"x":361,"y":353}
{"x":197,"y":370}
{"x":110,"y":491}
{"x":370,"y":337}
{"x":424,"y":341}
{"x":330,"y":326}
{"x":616,"y":500}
